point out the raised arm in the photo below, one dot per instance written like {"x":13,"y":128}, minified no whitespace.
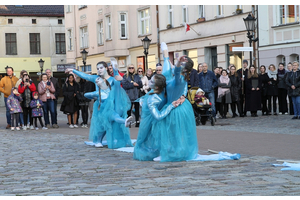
{"x":85,"y":76}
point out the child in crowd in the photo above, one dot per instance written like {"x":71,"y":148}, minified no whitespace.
{"x":37,"y":111}
{"x":13,"y":103}
{"x":200,"y":99}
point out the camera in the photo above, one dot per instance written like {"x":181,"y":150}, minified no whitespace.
{"x":27,"y":80}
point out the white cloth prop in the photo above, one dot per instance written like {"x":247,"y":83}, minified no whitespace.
{"x":288,"y":166}
{"x":104,"y":142}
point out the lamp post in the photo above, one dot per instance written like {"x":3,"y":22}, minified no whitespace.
{"x":146,"y":43}
{"x":84,"y":55}
{"x":41,"y":63}
{"x":250,"y":25}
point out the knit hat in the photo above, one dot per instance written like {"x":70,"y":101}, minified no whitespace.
{"x":35,"y":92}
{"x":200,"y":90}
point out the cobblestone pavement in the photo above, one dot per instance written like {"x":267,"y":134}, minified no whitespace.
{"x":45,"y":163}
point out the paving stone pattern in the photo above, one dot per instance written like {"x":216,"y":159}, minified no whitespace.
{"x":45,"y":163}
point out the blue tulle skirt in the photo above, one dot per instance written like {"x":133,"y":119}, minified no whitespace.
{"x":147,"y":146}
{"x":177,"y":134}
{"x":103,"y":124}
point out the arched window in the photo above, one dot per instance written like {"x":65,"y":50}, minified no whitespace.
{"x":280,"y":59}
{"x":294,"y":57}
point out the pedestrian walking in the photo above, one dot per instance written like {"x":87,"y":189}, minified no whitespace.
{"x":13,"y":104}
{"x":70,"y":103}
{"x":235,"y":90}
{"x":37,"y":110}
{"x":272,"y":89}
{"x":253,"y":92}
{"x":6,"y":84}
{"x":26,"y":88}
{"x":47,"y":95}
{"x":132,"y":83}
{"x":56,"y":94}
{"x":224,"y":95}
{"x":293,"y":83}
{"x":264,"y":84}
{"x":282,"y":90}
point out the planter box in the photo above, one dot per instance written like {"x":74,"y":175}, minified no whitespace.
{"x":200,"y":20}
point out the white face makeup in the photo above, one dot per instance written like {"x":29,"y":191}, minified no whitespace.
{"x":151,"y":82}
{"x":101,"y":83}
{"x":101,"y":70}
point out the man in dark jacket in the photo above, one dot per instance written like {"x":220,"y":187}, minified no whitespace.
{"x":207,"y":82}
{"x":132,"y":83}
{"x":242,"y":73}
{"x":194,"y":79}
{"x":57,"y":91}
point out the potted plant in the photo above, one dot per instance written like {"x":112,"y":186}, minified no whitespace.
{"x":169,"y":26}
{"x":201,"y":19}
{"x":238,"y":11}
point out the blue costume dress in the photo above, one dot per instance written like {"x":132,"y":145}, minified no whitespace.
{"x":109,"y":119}
{"x":177,"y":130}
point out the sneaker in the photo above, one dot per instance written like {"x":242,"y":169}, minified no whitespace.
{"x":48,"y":126}
{"x":36,"y":128}
{"x":98,"y":145}
{"x":44,"y":128}
{"x":24,"y":128}
{"x":86,"y":126}
{"x":31,"y":127}
{"x":280,"y":113}
{"x":75,"y":126}
{"x":18,"y":128}
{"x":83,"y":126}
{"x":71,"y":126}
{"x":27,"y":125}
{"x":55,"y":126}
{"x":12,"y":128}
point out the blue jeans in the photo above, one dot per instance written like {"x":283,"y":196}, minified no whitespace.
{"x":296,"y":105}
{"x":211,"y":98}
{"x":49,"y":106}
{"x":21,"y":118}
{"x":8,"y":116}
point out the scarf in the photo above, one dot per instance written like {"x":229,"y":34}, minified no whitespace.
{"x":272,"y":74}
{"x":281,"y":72}
{"x":223,"y":91}
{"x":141,"y":76}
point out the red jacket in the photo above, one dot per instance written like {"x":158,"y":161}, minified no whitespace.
{"x":22,"y":88}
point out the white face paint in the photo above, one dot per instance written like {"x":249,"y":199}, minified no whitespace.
{"x":101,"y":70}
{"x":101,"y":83}
{"x":151,"y":82}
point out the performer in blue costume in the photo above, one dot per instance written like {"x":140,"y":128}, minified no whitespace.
{"x":110,"y":109}
{"x":147,"y":146}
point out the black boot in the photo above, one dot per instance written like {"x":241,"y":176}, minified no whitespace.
{"x":137,"y":124}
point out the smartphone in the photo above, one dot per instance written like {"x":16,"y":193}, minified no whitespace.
{"x":48,"y":83}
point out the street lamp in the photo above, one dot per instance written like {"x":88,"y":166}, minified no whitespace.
{"x":250,"y":25}
{"x":146,"y":44}
{"x":84,"y":55}
{"x":41,"y":63}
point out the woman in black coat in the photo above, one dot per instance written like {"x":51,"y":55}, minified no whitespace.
{"x":272,"y":88}
{"x":282,"y":90}
{"x":264,"y":83}
{"x":70,"y":103}
{"x":235,"y":90}
{"x":253,"y":92}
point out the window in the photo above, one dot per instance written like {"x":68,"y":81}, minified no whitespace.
{"x":11,"y":43}
{"x":60,"y":43}
{"x":144,"y":16}
{"x":185,"y":13}
{"x":238,"y":7}
{"x":35,"y":46}
{"x":84,"y":37}
{"x":81,"y":7}
{"x":87,"y":68}
{"x":123,"y":26}
{"x":234,"y":57}
{"x":10,"y":21}
{"x":60,"y":21}
{"x":219,"y":10}
{"x":68,"y":8}
{"x":108,"y":28}
{"x":170,"y":14}
{"x":33,"y":21}
{"x":201,"y":11}
{"x":288,"y":13}
{"x":70,"y":40}
{"x":100,"y":33}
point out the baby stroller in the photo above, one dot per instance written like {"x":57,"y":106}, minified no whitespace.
{"x":203,"y":113}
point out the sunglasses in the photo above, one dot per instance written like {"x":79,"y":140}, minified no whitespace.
{"x":25,"y":74}
{"x":158,"y":70}
{"x":130,"y":67}
{"x":140,"y":71}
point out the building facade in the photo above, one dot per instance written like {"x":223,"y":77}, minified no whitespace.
{"x":106,"y":31}
{"x":279,"y":34}
{"x":214,"y":30}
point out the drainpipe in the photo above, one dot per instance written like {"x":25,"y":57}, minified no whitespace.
{"x":253,"y":44}
{"x":257,"y":36}
{"x":158,"y":38}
